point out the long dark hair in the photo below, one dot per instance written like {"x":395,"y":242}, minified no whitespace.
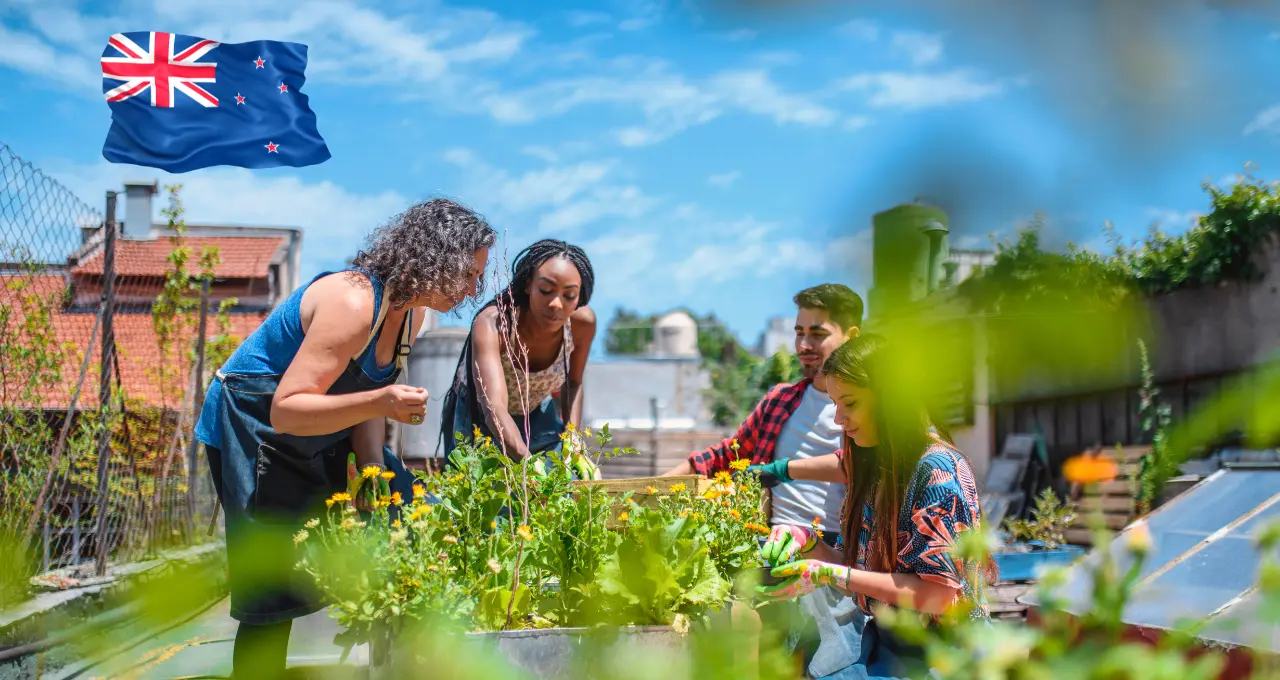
{"x":429,"y":247}
{"x":882,"y":474}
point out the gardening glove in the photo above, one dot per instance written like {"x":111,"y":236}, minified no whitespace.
{"x":802,"y":578}
{"x":577,"y":459}
{"x":772,"y":474}
{"x":785,"y":542}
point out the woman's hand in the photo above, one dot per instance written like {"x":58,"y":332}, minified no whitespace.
{"x":785,"y":542}
{"x":403,"y":403}
{"x":803,"y":577}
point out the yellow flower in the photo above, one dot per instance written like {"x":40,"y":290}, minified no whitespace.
{"x":370,"y":471}
{"x":340,"y":497}
{"x":312,"y":523}
{"x":1089,"y":470}
{"x":493,"y":525}
{"x":299,"y":537}
{"x":328,"y":502}
{"x":711,"y":494}
{"x":418,"y":492}
{"x":818,"y":533}
{"x":678,"y":487}
{"x":723,"y":477}
{"x":734,"y":444}
{"x":651,"y":489}
{"x":740,"y":464}
{"x":388,"y":475}
{"x":396,"y":499}
{"x":475,"y":431}
{"x":735,"y":514}
{"x":623,"y":517}
{"x":684,"y":513}
{"x":450,"y":540}
{"x":524,"y":533}
{"x":396,"y":524}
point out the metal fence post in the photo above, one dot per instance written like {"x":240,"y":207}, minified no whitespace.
{"x":197,"y":401}
{"x":104,"y":379}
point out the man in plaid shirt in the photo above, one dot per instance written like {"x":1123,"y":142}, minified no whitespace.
{"x":795,"y":422}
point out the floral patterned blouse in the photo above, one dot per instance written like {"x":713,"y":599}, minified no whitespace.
{"x":942,"y":502}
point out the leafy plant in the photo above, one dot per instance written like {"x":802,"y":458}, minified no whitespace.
{"x":1049,"y":521}
{"x":1159,"y":466}
{"x":490,"y":545}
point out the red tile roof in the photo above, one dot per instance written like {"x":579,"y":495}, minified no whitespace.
{"x":140,"y":357}
{"x":242,"y":256}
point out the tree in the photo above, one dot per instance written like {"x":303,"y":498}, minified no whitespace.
{"x":629,"y":333}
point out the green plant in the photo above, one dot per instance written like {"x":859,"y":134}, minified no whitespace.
{"x":1049,"y":521}
{"x":489,"y":545}
{"x":1159,"y":466}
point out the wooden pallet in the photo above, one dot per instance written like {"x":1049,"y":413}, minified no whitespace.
{"x":1116,"y":499}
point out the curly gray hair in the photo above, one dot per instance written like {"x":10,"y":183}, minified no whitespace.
{"x":429,"y":247}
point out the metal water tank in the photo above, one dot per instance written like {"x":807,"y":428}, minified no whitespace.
{"x":909,"y":247}
{"x":675,"y":334}
{"x":432,"y":363}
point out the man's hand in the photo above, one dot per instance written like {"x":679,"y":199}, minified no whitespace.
{"x":772,"y":474}
{"x":786,"y":541}
{"x":802,"y":577}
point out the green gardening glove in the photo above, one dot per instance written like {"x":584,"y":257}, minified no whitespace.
{"x":772,"y":474}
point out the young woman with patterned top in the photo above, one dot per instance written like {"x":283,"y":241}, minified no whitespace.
{"x":911,"y":493}
{"x":531,"y":341}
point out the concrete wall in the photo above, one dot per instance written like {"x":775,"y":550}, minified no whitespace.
{"x":673,"y":448}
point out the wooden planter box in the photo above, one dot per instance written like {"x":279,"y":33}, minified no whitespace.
{"x":549,"y":653}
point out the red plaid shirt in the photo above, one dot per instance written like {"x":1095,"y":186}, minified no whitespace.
{"x":757,"y":436}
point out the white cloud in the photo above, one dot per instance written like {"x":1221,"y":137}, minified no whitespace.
{"x":860,"y":29}
{"x":851,"y":255}
{"x":724,"y":180}
{"x":543,"y":153}
{"x":920,"y":91}
{"x":751,"y":250}
{"x":755,"y":92}
{"x":739,"y":35}
{"x":562,"y":198}
{"x":1267,"y":120}
{"x":583,"y":19}
{"x":1173,"y":220}
{"x":921,"y":48}
{"x":778,"y":57}
{"x":30,"y":54}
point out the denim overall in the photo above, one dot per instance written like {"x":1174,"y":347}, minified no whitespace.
{"x":271,"y":484}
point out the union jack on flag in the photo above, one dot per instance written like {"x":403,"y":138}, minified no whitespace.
{"x":165,"y":66}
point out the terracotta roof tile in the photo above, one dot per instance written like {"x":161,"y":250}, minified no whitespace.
{"x":135,"y":340}
{"x":242,"y":256}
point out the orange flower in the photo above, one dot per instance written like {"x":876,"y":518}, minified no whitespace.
{"x":735,"y":514}
{"x":1090,"y":470}
{"x":623,"y":517}
{"x":758,"y":528}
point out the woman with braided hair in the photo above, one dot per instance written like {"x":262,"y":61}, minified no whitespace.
{"x":525,"y":345}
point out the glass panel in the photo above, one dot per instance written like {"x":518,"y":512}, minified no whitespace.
{"x":1200,"y":585}
{"x":1241,"y":625}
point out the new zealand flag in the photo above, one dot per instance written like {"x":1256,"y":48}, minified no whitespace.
{"x":181,"y":103}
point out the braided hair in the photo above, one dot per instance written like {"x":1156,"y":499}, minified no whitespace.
{"x":528,"y":260}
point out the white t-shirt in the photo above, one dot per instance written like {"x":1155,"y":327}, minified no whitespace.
{"x":810,"y":431}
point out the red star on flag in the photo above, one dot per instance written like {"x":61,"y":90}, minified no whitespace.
{"x":283,"y":88}
{"x":271,"y":147}
{"x":239,"y":98}
{"x":259,"y":62}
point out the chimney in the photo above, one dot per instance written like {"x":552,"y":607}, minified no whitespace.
{"x":137,"y":209}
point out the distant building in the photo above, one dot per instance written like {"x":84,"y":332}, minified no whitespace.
{"x":259,"y":267}
{"x":779,"y":334}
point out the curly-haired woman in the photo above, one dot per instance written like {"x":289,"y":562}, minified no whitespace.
{"x":315,"y":381}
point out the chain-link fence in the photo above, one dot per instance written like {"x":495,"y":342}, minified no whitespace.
{"x":101,"y":367}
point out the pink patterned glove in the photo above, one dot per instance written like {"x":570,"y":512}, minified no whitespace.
{"x":785,"y":541}
{"x":803,"y":577}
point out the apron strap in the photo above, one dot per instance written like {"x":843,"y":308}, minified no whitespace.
{"x":377,"y":323}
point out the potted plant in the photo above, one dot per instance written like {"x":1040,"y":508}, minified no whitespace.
{"x":1033,"y":545}
{"x":492,"y":553}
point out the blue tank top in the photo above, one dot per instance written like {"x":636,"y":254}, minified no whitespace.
{"x":271,"y":348}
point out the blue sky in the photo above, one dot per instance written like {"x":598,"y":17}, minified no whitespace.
{"x":705,"y":156}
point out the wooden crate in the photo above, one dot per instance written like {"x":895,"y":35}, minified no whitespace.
{"x":1117,"y":499}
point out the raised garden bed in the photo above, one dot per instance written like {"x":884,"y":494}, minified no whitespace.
{"x":532,"y":564}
